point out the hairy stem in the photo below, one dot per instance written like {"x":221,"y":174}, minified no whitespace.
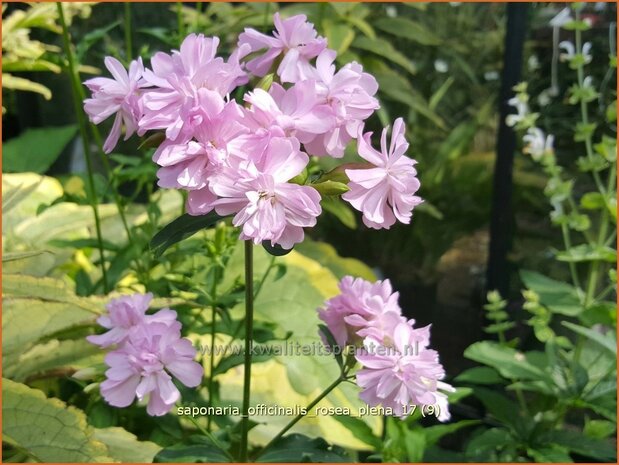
{"x":249,"y":329}
{"x":75,"y":87}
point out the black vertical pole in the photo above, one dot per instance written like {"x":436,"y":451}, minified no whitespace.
{"x":501,"y":215}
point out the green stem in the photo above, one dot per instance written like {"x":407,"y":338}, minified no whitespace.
{"x":75,"y":86}
{"x":309,"y":407}
{"x":211,"y":379}
{"x":211,"y":437}
{"x":249,"y":329}
{"x":584,"y":110}
{"x":565,"y":231}
{"x":199,"y":6}
{"x":179,"y":22}
{"x":78,"y":90}
{"x":128,"y":35}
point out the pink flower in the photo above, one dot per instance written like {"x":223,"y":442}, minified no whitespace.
{"x":120,"y":96}
{"x":296,"y":111}
{"x":143,"y":366}
{"x":384,"y":192}
{"x":189,"y":165}
{"x":350,"y":94}
{"x":125,"y":313}
{"x":294,"y":37}
{"x":361,"y":309}
{"x":403,"y":373}
{"x":184,"y":80}
{"x":267,"y":207}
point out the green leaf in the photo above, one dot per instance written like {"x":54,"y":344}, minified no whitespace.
{"x":193,"y":453}
{"x":503,"y":409}
{"x":92,"y":38}
{"x":47,"y":429}
{"x":440,"y":93}
{"x":484,"y":446}
{"x":599,"y":429}
{"x":360,"y":430}
{"x":435,"y":433}
{"x":36,"y":149}
{"x":332,"y":344}
{"x":327,"y":256}
{"x":588,"y":253}
{"x":17,"y":83}
{"x":550,"y":453}
{"x":231,"y":361}
{"x":384,"y":49}
{"x":339,"y":36}
{"x":64,"y":357}
{"x":399,"y":89}
{"x":581,"y":444}
{"x":15,"y":256}
{"x":592,"y":201}
{"x":125,"y":447}
{"x":480,"y":375}
{"x":298,"y":448}
{"x":181,"y":228}
{"x":408,"y":29}
{"x":340,"y":210}
{"x":507,"y":361}
{"x":604,"y":340}
{"x":558,"y":296}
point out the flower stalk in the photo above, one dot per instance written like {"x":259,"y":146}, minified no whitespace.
{"x":77,"y":98}
{"x":249,"y":329}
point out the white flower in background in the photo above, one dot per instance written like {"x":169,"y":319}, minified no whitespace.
{"x":533,"y":63}
{"x":587,"y":82}
{"x":491,"y":75}
{"x":522,"y":111}
{"x":391,"y":11}
{"x":545,"y":97}
{"x":538,"y":144}
{"x":570,"y":51}
{"x":441,"y":66}
{"x":562,"y":18}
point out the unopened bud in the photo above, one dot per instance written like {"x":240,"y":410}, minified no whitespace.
{"x":331,"y":188}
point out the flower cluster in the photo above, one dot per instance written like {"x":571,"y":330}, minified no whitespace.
{"x":398,"y":370}
{"x":244,"y":158}
{"x":148,"y":350}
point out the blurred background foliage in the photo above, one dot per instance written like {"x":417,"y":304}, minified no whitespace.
{"x":439,"y":67}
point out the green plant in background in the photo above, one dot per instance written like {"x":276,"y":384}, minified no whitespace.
{"x":549,"y":398}
{"x":566,"y":392}
{"x":20,"y":53}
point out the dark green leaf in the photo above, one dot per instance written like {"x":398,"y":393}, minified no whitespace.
{"x":181,"y":228}
{"x":276,"y":250}
{"x":605,"y":340}
{"x":36,"y":149}
{"x":588,"y":253}
{"x":193,"y":453}
{"x":558,"y":296}
{"x":408,"y":29}
{"x":480,"y":375}
{"x":297,"y":448}
{"x":581,"y":444}
{"x":360,"y":430}
{"x":507,"y":361}
{"x":384,"y":49}
{"x":340,"y":210}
